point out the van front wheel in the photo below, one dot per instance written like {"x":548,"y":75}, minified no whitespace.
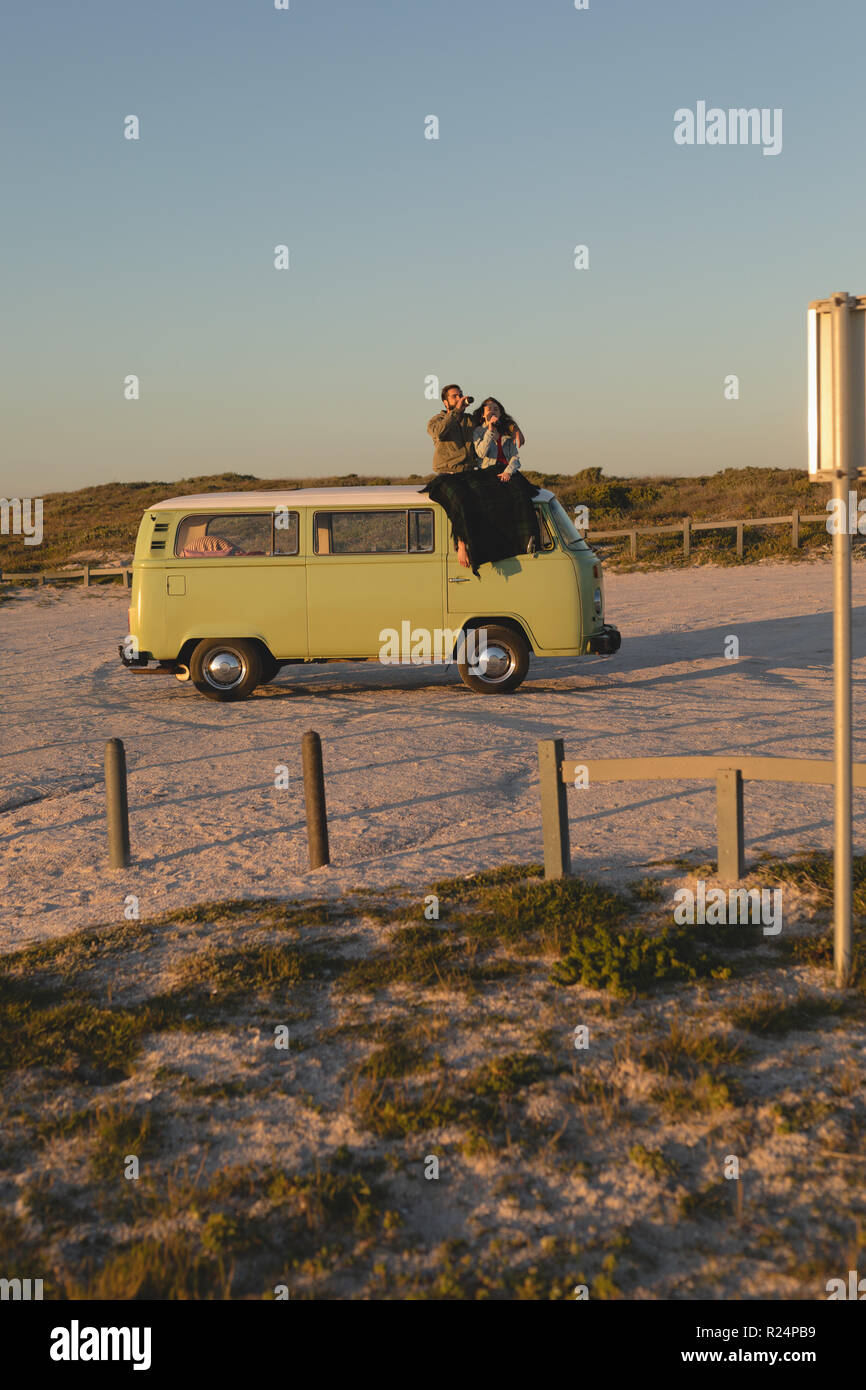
{"x":493,"y":660}
{"x":226,"y":668}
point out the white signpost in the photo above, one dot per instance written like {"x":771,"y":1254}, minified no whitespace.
{"x":837,"y":453}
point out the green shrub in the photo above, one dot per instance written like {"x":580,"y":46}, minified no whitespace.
{"x":634,"y":959}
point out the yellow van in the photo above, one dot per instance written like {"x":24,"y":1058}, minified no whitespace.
{"x":228,"y":587}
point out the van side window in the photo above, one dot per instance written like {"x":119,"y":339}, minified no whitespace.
{"x":235,"y":534}
{"x":547,"y":541}
{"x":420,"y":529}
{"x":373,"y":533}
{"x":285,"y":533}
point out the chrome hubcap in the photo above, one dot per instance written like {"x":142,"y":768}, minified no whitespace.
{"x":495,"y":663}
{"x":224,"y":670}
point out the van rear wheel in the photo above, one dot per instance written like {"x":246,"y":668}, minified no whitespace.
{"x":270,"y":668}
{"x":493,"y":660}
{"x":226,"y":668}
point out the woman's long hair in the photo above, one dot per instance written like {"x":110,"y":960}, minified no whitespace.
{"x":507,"y":424}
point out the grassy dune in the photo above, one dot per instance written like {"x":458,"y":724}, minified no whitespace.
{"x":287,"y":1075}
{"x":104,"y":519}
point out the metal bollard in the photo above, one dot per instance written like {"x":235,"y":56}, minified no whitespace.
{"x":314,"y":796}
{"x":116,"y":806}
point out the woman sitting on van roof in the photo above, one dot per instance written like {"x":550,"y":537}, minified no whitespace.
{"x":496,"y":437}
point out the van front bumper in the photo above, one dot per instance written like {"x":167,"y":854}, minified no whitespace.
{"x":605,"y":642}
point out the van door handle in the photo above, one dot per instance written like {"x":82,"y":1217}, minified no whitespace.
{"x":457,"y":580}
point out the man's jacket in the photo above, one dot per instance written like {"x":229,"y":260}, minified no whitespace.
{"x":453,"y":450}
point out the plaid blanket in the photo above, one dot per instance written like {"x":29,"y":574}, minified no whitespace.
{"x":496,"y":520}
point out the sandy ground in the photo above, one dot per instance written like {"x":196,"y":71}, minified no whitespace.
{"x":424,"y":778}
{"x":604,"y":1168}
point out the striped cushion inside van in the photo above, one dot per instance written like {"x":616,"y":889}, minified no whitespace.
{"x":203,"y":545}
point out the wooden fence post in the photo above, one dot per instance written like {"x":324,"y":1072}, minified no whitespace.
{"x":739,"y":540}
{"x":729,"y":822}
{"x":687,"y":537}
{"x":554,"y":809}
{"x":795,"y":529}
{"x":633,"y":543}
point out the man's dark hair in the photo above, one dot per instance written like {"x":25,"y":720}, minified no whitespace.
{"x":445,"y":389}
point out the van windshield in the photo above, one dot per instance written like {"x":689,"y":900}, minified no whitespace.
{"x":568,"y":532}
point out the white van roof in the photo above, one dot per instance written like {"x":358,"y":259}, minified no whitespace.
{"x":302,"y":497}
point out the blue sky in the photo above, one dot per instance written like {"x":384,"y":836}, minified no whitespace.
{"x":411,"y":257}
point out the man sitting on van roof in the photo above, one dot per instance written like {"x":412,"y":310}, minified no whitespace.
{"x":451,"y":431}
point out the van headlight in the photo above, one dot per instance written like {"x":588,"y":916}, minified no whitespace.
{"x":597,"y":601}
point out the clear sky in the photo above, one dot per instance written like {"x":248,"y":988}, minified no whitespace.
{"x":412,"y":257}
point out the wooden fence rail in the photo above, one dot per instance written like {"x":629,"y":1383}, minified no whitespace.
{"x":687,"y":526}
{"x":84,"y":572}
{"x":728,"y":770}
